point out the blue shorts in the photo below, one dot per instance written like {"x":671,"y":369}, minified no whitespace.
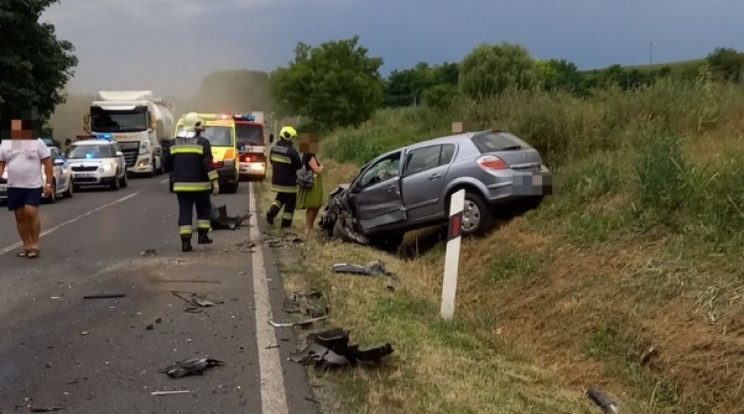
{"x":20,"y":197}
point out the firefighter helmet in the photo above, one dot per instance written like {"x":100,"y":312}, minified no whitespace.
{"x":287,"y":133}
{"x":192,"y":121}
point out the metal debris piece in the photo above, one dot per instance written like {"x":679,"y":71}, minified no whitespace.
{"x":221,"y":221}
{"x":195,"y":302}
{"x":286,"y":240}
{"x":149,"y":252}
{"x":331,"y":348}
{"x":45,"y":409}
{"x":161,"y":393}
{"x":602,"y":400}
{"x":111,"y":296}
{"x":650,"y":353}
{"x":373,"y":268}
{"x":306,"y":322}
{"x":193,"y":366}
{"x":309,"y":303}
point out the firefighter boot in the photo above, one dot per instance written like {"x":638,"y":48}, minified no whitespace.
{"x":186,"y":245}
{"x":203,"y":238}
{"x":273,"y":212}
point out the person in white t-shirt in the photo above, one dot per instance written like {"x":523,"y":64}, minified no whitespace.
{"x":23,"y":159}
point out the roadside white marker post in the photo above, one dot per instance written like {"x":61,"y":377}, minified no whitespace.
{"x":452,"y":257}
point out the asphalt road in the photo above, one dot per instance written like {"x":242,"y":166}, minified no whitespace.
{"x":98,"y":355}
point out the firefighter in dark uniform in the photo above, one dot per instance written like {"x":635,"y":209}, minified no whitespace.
{"x":285,"y":161}
{"x":194,"y":179}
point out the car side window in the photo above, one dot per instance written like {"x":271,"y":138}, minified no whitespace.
{"x":423,"y":159}
{"x":448,"y":152}
{"x":384,"y":169}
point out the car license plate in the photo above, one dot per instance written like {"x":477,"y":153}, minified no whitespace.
{"x":84,"y":175}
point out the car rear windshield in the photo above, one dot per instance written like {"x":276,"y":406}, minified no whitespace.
{"x":497,"y":141}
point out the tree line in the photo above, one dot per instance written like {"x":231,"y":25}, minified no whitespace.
{"x":334,"y":84}
{"x":337,"y":84}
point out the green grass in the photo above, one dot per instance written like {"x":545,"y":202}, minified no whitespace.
{"x":640,"y":245}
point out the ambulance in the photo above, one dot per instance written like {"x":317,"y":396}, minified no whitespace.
{"x":251,"y":145}
{"x":219,"y":129}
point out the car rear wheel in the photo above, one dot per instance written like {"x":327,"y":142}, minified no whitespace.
{"x":476,"y":215}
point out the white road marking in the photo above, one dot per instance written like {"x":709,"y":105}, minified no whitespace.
{"x":165,"y":181}
{"x":55,"y":228}
{"x":273,"y":393}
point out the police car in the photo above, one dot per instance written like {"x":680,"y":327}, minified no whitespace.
{"x":62,"y":181}
{"x":97,"y":160}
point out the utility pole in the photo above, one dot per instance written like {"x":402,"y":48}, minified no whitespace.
{"x":650,"y":53}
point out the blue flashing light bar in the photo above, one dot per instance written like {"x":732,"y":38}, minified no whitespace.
{"x":107,"y":137}
{"x":250,"y":118}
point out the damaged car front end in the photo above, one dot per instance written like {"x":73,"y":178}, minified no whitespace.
{"x":337,"y":220}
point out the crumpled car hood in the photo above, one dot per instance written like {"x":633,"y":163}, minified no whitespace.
{"x":337,"y":219}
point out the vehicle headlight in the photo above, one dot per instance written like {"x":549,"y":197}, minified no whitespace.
{"x":105,"y":168}
{"x":143,"y":148}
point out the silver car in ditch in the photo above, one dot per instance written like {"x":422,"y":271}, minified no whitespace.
{"x":410,"y":188}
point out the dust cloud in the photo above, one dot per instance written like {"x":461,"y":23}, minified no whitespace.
{"x":234,"y":91}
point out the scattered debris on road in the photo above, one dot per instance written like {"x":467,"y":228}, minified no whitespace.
{"x":306,"y":322}
{"x":149,"y":252}
{"x":84,"y":333}
{"x":374,"y":268}
{"x":104,"y":296}
{"x":221,"y":221}
{"x":193,"y":366}
{"x":311,"y":303}
{"x":331,"y":349}
{"x":285,"y":240}
{"x":195,"y":302}
{"x":602,"y":400}
{"x":162,"y":393}
{"x":45,"y":409}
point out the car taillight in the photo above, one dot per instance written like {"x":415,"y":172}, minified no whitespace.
{"x":492,"y":163}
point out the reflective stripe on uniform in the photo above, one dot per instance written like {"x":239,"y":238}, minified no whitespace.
{"x":213,"y":175}
{"x":203,"y":224}
{"x":187,"y":187}
{"x":287,"y":216}
{"x":283,"y":189}
{"x":187,"y":149}
{"x":276,"y":204}
{"x":281,"y":159}
{"x":184,"y":230}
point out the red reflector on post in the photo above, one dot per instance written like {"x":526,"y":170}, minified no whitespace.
{"x":492,"y":162}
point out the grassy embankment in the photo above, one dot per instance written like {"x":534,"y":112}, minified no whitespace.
{"x":640,"y":247}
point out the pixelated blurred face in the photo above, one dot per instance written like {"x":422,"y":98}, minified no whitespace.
{"x":20,"y":129}
{"x":309,"y":143}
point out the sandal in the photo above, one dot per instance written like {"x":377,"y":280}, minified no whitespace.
{"x":23,"y":253}
{"x":33,"y":253}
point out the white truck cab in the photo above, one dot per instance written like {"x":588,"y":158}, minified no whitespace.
{"x":138,"y":122}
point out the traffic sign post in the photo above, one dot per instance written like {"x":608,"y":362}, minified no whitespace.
{"x":452,"y":257}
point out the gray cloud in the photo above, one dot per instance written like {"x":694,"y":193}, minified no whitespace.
{"x":170,"y":45}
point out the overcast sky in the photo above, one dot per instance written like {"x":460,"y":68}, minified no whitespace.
{"x":168,"y":46}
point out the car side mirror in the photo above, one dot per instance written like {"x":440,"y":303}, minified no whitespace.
{"x":119,"y":154}
{"x":59,"y":161}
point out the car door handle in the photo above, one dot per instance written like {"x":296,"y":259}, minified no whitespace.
{"x":435,"y":176}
